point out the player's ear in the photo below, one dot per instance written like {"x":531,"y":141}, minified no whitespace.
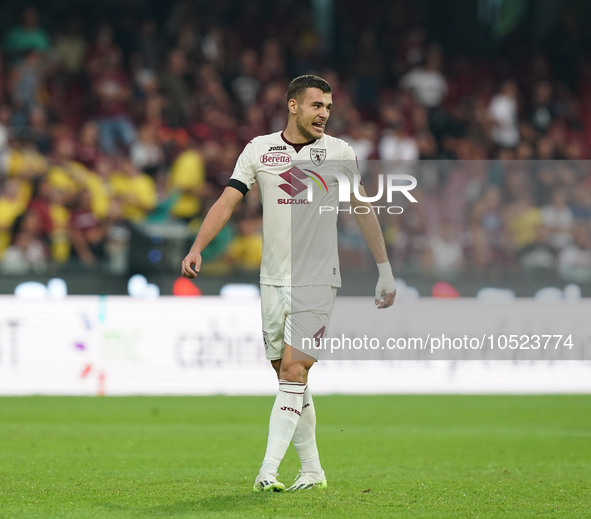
{"x":292,"y":106}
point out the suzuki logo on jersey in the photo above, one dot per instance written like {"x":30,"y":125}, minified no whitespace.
{"x":293,"y":177}
{"x":275,"y":159}
{"x":295,"y":186}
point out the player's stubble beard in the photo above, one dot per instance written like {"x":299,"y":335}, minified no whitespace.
{"x":304,"y":132}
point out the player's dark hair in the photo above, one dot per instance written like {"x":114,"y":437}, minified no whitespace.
{"x":300,"y":84}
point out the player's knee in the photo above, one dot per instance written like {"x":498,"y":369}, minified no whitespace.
{"x":276,"y":366}
{"x":294,"y":372}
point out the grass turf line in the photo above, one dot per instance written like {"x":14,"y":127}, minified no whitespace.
{"x":384,"y":456}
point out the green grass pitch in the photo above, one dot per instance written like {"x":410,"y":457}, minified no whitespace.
{"x":384,"y":456}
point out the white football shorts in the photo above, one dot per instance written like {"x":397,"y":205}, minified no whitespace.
{"x":298,"y":316}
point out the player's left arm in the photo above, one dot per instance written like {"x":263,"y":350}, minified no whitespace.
{"x":372,"y":232}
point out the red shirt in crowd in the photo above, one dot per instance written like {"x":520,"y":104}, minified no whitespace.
{"x":110,"y":88}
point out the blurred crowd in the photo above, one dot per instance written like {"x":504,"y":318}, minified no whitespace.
{"x":105,"y":125}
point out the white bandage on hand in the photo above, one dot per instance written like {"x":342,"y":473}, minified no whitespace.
{"x":386,"y":283}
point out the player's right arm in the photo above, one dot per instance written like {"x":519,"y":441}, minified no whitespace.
{"x":242,"y":180}
{"x":216,"y":218}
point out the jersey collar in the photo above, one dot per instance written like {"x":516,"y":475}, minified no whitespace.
{"x":297,"y":147}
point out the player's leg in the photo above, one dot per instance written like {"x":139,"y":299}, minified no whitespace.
{"x":276,"y":365}
{"x":304,"y":439}
{"x":295,"y":365}
{"x":283,"y":416}
{"x":286,"y":411}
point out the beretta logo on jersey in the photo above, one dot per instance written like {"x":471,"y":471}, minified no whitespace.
{"x":317,"y":155}
{"x":275,"y":159}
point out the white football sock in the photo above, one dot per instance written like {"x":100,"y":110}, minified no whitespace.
{"x":282,"y":425}
{"x":304,"y":438}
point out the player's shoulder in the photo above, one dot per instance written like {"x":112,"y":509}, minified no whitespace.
{"x":266,"y":140}
{"x":336,"y":144}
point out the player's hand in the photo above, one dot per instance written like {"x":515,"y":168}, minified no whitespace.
{"x":386,"y":299}
{"x":191,"y":264}
{"x":386,"y":287}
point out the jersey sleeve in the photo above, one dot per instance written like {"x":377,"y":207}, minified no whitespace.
{"x":350,"y":166}
{"x":244,"y":171}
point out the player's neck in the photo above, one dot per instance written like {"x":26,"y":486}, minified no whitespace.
{"x":291,"y":135}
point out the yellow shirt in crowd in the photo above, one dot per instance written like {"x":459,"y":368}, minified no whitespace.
{"x":187,"y":172}
{"x":246,"y":251}
{"x":21,"y":162}
{"x":74,"y":177}
{"x":138,"y":194}
{"x":60,"y":242}
{"x":10,"y":210}
{"x":525,"y":226}
{"x":99,"y":195}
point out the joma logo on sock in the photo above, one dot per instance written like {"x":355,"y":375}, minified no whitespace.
{"x":307,"y":405}
{"x":291,"y":409}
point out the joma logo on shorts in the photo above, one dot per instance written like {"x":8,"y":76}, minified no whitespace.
{"x":291,"y":409}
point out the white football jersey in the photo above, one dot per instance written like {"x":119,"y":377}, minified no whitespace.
{"x":299,"y":226}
